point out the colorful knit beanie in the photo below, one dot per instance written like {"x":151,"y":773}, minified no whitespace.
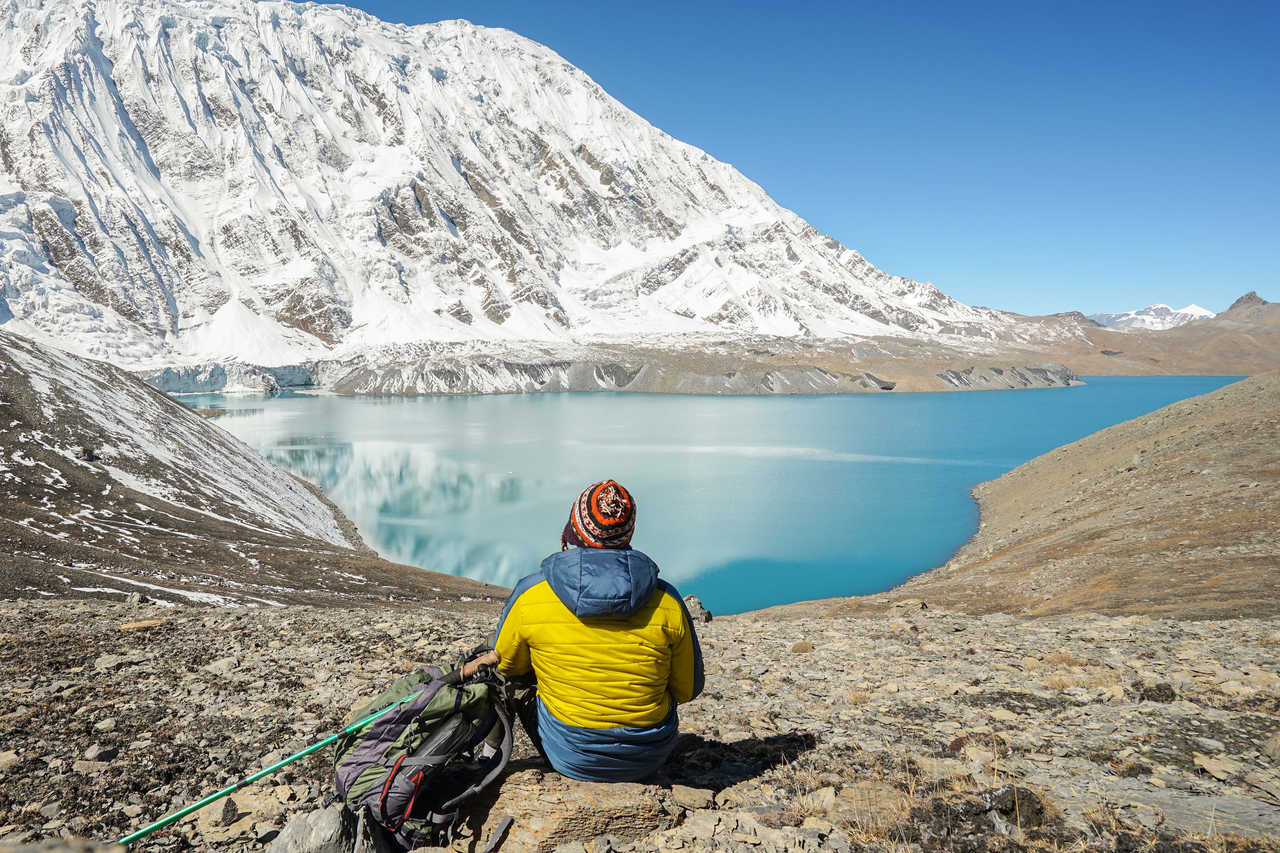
{"x":603,"y":516}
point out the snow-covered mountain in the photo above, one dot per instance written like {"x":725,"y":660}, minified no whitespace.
{"x":1158,"y":316}
{"x":271,"y":182}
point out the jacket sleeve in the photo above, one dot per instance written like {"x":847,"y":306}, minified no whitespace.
{"x":686,"y":680}
{"x":509,"y":639}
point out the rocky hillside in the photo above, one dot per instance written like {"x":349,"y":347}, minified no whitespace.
{"x":109,"y":488}
{"x":1170,"y":514}
{"x":1243,"y":340}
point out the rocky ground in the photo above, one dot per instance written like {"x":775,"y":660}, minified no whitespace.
{"x":918,"y":729}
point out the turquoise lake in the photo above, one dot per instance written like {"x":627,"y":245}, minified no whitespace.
{"x":743,"y":501}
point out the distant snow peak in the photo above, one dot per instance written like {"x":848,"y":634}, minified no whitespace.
{"x":275,"y":182}
{"x":1158,"y":317}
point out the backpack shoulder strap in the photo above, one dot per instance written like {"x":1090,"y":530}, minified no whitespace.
{"x":502,"y":757}
{"x":499,"y":834}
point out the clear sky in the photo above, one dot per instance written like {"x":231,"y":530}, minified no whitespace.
{"x":1034,"y":156}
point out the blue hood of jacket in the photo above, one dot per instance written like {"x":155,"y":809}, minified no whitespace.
{"x":601,"y":581}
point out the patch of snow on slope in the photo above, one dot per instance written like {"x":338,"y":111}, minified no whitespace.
{"x":236,"y":332}
{"x":150,"y":443}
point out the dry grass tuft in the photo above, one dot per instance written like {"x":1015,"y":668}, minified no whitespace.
{"x":1095,"y":678}
{"x":873,"y":811}
{"x":858,"y":697}
{"x":1062,"y":658}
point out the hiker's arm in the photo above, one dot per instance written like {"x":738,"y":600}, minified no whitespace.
{"x":510,"y":645}
{"x":685,"y":681}
{"x":469,"y":668}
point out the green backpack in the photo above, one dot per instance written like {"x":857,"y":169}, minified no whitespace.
{"x":410,"y":769}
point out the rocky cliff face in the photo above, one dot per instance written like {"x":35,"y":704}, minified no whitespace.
{"x":271,"y":182}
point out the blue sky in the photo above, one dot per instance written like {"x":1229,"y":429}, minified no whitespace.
{"x":1030,"y":155}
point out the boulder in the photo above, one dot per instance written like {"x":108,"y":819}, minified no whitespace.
{"x":550,"y":810}
{"x":869,"y":805}
{"x":241,"y":818}
{"x":1271,"y":748}
{"x":323,"y":831}
{"x":693,"y":798}
{"x":697,"y":612}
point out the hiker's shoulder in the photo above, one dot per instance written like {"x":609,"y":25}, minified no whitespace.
{"x":527,"y":584}
{"x":668,"y":597}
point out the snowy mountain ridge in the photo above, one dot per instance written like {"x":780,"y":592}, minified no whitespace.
{"x":271,"y":182}
{"x":1157,"y":317}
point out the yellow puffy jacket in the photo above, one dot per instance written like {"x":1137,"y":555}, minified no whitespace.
{"x":612,"y":645}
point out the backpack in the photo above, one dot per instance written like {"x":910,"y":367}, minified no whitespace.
{"x":410,"y":769}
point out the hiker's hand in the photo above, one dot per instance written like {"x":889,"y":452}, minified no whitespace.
{"x":489,"y":658}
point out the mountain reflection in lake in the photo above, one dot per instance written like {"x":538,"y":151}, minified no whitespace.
{"x":744,"y":501}
{"x":392,"y":491}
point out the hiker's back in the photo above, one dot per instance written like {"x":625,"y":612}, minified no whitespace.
{"x":598,"y":667}
{"x":613,"y":650}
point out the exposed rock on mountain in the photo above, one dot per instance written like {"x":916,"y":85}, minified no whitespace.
{"x":714,"y":366}
{"x":1046,"y":375}
{"x":1242,"y":340}
{"x":272,"y":183}
{"x":1249,"y":299}
{"x":109,"y":488}
{"x":1158,"y":316}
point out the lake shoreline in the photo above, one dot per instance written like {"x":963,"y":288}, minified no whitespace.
{"x":671,"y":373}
{"x":1244,"y":340}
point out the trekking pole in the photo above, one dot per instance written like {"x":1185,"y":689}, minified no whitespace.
{"x":248,"y":780}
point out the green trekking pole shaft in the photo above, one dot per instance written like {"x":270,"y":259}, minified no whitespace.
{"x":248,"y":780}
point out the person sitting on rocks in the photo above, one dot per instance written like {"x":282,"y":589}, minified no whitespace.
{"x":612,"y":647}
